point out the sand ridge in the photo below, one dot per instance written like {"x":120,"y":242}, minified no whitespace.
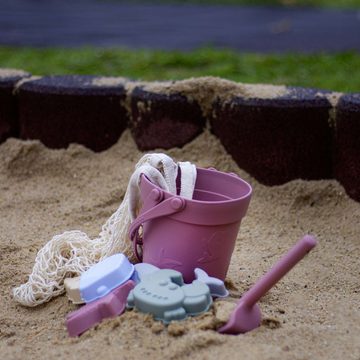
{"x":208,"y":89}
{"x":313,"y":313}
{"x":9,"y":73}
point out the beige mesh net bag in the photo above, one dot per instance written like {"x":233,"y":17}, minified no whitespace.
{"x":73,"y":252}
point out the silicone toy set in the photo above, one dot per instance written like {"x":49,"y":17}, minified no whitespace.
{"x":113,"y":284}
{"x":182,"y":222}
{"x":163,"y":293}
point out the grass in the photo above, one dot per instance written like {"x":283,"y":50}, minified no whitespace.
{"x":337,"y":72}
{"x":308,"y":3}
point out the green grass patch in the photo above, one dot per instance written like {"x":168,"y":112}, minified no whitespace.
{"x":327,"y":71}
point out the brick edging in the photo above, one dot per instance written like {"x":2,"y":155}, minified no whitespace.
{"x":346,"y":147}
{"x":9,"y":124}
{"x":61,"y":110}
{"x":299,"y":133}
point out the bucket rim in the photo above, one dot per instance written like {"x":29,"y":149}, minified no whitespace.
{"x":233,"y":175}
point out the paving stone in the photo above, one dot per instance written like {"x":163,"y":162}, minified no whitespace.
{"x":279,"y":139}
{"x":60,"y":110}
{"x":163,"y":120}
{"x":8,"y":102}
{"x":347,"y":144}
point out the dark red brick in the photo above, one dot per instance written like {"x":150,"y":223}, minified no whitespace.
{"x":347,"y":144}
{"x":279,"y":139}
{"x":60,"y":110}
{"x":164,"y":121}
{"x":8,"y":104}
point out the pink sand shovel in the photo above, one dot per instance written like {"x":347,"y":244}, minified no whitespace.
{"x":247,"y":314}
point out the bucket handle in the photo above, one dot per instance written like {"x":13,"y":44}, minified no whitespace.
{"x":167,"y":207}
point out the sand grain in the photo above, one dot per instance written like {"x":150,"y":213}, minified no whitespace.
{"x":313,"y":313}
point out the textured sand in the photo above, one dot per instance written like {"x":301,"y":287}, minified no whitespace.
{"x":8,"y":73}
{"x":206,"y":90}
{"x":313,"y":313}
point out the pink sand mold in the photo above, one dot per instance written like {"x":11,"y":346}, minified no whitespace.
{"x":183,"y":234}
{"x":164,"y":295}
{"x":93,"y":313}
{"x":105,"y":276}
{"x":247,"y":314}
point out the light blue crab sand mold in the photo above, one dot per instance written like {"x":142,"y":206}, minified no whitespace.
{"x":197,"y":298}
{"x":164,"y":295}
{"x":105,"y":276}
{"x":216,"y":286}
{"x":143,"y":269}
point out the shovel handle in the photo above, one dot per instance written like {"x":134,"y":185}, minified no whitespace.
{"x":281,"y":268}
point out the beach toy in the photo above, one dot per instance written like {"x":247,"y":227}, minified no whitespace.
{"x":164,"y":295}
{"x":111,"y":305}
{"x":105,"y":276}
{"x":143,"y":269}
{"x":216,"y":286}
{"x":247,"y":314}
{"x":72,"y":287}
{"x":197,"y":298}
{"x":184,"y":234}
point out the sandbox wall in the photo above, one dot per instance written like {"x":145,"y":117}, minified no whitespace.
{"x":275,"y":133}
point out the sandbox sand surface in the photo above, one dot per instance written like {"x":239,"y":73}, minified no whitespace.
{"x":313,"y":313}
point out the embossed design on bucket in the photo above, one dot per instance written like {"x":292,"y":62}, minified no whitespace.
{"x":184,"y":234}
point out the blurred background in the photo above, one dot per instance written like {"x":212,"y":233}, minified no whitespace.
{"x":312,"y":43}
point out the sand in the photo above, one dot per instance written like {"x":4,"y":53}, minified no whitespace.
{"x":108,"y":81}
{"x":8,"y":73}
{"x":205,"y":90}
{"x":313,"y":313}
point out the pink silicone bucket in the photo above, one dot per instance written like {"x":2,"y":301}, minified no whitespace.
{"x":183,"y":234}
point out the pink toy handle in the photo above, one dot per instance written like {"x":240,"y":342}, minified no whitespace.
{"x":283,"y":266}
{"x":167,"y":207}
